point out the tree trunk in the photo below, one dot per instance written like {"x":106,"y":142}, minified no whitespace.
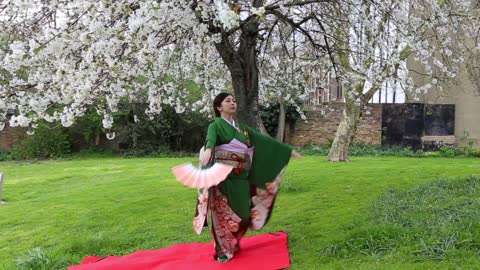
{"x":281,"y":123}
{"x":262,"y":128}
{"x":246,"y":93}
{"x":339,"y":151}
{"x":97,"y":139}
{"x":243,"y":67}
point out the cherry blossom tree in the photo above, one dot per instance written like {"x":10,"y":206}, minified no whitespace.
{"x":272,"y":91}
{"x":372,"y":41}
{"x":65,"y":56}
{"x":470,"y":43}
{"x":60,"y":57}
{"x":292,"y":58}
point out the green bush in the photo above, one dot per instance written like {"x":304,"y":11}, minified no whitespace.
{"x":367,"y":150}
{"x":5,"y":156}
{"x":48,"y":141}
{"x":269,"y":116}
{"x":466,"y":145}
{"x":475,"y":153}
{"x":165,"y":134}
{"x":87,"y":130}
{"x":447,"y":152}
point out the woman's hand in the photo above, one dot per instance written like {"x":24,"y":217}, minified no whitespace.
{"x":205,"y":157}
{"x":296,"y":155}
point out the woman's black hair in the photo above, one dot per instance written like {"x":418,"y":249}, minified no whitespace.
{"x":217,"y":102}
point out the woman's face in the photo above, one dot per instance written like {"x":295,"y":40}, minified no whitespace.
{"x":229,"y":105}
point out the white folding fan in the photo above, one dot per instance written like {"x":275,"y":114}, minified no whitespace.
{"x":194,"y":177}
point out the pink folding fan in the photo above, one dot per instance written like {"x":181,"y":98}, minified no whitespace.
{"x":194,"y":177}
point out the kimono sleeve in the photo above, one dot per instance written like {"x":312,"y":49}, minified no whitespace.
{"x":211,"y":136}
{"x":269,"y":159}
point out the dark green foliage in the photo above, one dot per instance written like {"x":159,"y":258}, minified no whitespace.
{"x":269,"y":116}
{"x":137,"y":134}
{"x":48,"y":141}
{"x":87,"y":130}
{"x":5,"y":156}
{"x":475,"y":153}
{"x":165,"y":134}
{"x":447,"y":151}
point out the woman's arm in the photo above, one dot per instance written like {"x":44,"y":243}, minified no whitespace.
{"x":205,"y":157}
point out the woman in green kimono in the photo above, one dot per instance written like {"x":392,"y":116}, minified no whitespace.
{"x":245,"y":199}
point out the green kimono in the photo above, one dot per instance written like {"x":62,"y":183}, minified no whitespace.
{"x":246,"y":197}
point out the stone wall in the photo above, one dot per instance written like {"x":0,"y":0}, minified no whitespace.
{"x":322,"y":123}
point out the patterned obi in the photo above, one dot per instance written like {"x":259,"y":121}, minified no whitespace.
{"x":239,"y":161}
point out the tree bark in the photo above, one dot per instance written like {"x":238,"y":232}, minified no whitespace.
{"x":245,"y":77}
{"x":246,"y":94}
{"x":281,"y":123}
{"x":339,"y":151}
{"x":243,"y":66}
{"x":262,"y":128}
{"x":97,"y":139}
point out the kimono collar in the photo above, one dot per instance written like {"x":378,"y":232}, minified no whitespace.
{"x":231,"y":123}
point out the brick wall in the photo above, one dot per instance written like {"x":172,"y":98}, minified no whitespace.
{"x":9,"y":135}
{"x":322,"y":123}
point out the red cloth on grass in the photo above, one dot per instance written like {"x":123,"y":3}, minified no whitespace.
{"x":260,"y":252}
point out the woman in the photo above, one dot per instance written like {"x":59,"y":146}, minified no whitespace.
{"x":245,"y":199}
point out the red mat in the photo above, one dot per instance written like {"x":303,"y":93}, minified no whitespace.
{"x":261,"y":252}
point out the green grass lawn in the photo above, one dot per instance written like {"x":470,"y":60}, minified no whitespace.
{"x":114,"y":206}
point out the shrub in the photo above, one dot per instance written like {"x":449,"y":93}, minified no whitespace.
{"x":475,"y":153}
{"x":48,"y":141}
{"x":447,"y":151}
{"x":164,"y":134}
{"x":466,"y":146}
{"x":138,"y":134}
{"x":269,"y":116}
{"x":87,"y":130}
{"x":5,"y":156}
